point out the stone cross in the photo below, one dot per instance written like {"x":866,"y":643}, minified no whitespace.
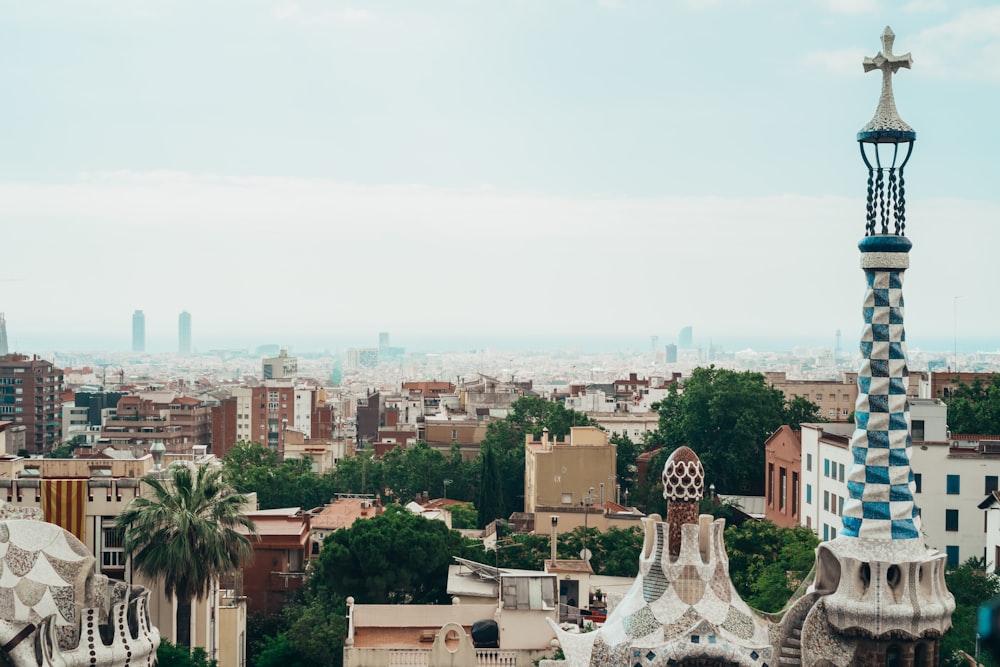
{"x":886,"y":116}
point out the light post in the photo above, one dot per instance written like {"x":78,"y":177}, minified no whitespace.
{"x":446,"y":482}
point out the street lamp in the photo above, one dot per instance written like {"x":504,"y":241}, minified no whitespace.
{"x":446,"y":483}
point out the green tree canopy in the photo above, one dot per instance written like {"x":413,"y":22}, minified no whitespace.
{"x":975,"y":408}
{"x":725,"y":416}
{"x":393,"y":558}
{"x":252,"y":467}
{"x":971,"y":585}
{"x":767,"y":563}
{"x":186,"y":534}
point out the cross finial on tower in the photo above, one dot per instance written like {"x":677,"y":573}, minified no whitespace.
{"x":886,"y":124}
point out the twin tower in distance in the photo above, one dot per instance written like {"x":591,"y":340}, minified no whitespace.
{"x":183,"y":332}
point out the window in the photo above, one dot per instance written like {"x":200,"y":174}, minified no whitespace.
{"x":840,"y":471}
{"x":567,"y":499}
{"x":826,"y":532}
{"x":770,"y":484}
{"x":826,"y":467}
{"x":783,"y":489}
{"x":952,"y":551}
{"x":826,"y":501}
{"x":954,"y":485}
{"x":991,"y":484}
{"x":917,"y":429}
{"x":833,"y":533}
{"x":840,"y":506}
{"x":833,"y":503}
{"x":809,"y":494}
{"x":951,"y":521}
{"x":917,"y":478}
{"x":795,"y":493}
{"x":809,"y":462}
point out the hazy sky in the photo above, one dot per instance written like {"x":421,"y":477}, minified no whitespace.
{"x":497,"y":167}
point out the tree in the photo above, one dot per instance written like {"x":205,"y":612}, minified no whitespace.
{"x":491,"y":487}
{"x":975,"y":408}
{"x":725,"y":416}
{"x":626,"y":453}
{"x":971,"y":585}
{"x":187,"y":535}
{"x":171,"y":655}
{"x":767,"y":563}
{"x":463,"y":516}
{"x":393,"y":558}
{"x":253,"y":468}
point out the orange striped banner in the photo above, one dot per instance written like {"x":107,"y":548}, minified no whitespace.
{"x":64,"y":502}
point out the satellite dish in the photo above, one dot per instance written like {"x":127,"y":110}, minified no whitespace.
{"x":585,"y":554}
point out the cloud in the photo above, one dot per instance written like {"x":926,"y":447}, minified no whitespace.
{"x":851,"y":6}
{"x":964,"y":47}
{"x":917,"y":6}
{"x":355,"y":257}
{"x":293,"y":11}
{"x":839,"y":61}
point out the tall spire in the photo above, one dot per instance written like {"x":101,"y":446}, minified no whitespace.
{"x":884,"y":585}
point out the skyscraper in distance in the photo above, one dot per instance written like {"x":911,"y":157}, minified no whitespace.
{"x":184,"y":333}
{"x":138,"y":331}
{"x":685,"y":339}
{"x":3,"y":336}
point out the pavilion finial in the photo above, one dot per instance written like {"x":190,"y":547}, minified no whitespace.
{"x":886,"y":125}
{"x":880,"y":141}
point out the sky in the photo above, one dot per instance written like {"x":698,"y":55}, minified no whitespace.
{"x":480,"y":169}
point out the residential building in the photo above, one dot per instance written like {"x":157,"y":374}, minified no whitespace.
{"x":572,"y":474}
{"x":487,"y":392}
{"x":30,"y":396}
{"x":825,"y":462}
{"x":184,"y":333}
{"x":280,"y":554}
{"x":341,"y":512}
{"x":182,"y":423}
{"x":358,"y":358}
{"x":938,"y":384}
{"x":138,"y":331}
{"x":835,"y":398}
{"x":282,"y":367}
{"x":267,"y":413}
{"x":783,"y":461}
{"x":323,"y":454}
{"x":634,"y":425}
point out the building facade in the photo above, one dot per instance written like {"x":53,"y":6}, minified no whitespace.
{"x":138,"y":331}
{"x":30,"y":396}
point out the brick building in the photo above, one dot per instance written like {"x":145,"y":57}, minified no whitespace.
{"x":30,"y":390}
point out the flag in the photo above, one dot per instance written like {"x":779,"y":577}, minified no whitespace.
{"x":64,"y":502}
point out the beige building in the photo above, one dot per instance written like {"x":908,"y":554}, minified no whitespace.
{"x":559,"y":475}
{"x":835,"y":398}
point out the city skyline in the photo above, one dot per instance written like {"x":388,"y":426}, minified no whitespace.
{"x":503,"y":170}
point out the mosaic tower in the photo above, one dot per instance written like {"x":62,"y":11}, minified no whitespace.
{"x":884,"y":592}
{"x":880,"y":503}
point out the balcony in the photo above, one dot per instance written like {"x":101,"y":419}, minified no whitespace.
{"x":485,"y":657}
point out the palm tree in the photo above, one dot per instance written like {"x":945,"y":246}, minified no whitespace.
{"x":186,"y":533}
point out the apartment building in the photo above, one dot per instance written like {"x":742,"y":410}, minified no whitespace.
{"x":182,"y":423}
{"x":266,"y":414}
{"x":782,"y":486}
{"x":30,"y":396}
{"x":575,"y":476}
{"x":835,"y":398}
